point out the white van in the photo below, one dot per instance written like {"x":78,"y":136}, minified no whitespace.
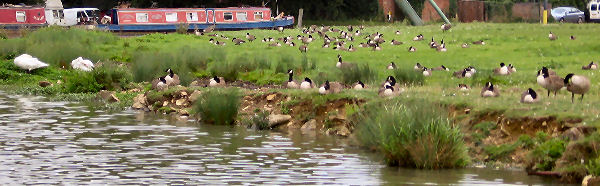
{"x":72,"y":16}
{"x":594,"y":10}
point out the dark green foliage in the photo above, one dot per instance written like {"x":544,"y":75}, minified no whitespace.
{"x":593,"y":166}
{"x":409,"y":77}
{"x":260,"y":120}
{"x":218,"y":106}
{"x":112,"y":76}
{"x":412,"y":135}
{"x":363,"y":73}
{"x":82,"y":82}
{"x":546,"y":154}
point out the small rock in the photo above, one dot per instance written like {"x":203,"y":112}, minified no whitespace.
{"x":195,"y":84}
{"x":278,"y":119}
{"x":183,"y":94}
{"x":183,"y":112}
{"x":310,"y":125}
{"x":107,"y":96}
{"x":165,"y":103}
{"x":139,"y":102}
{"x":590,"y":180}
{"x":181,"y":102}
{"x":45,"y":84}
{"x":194,"y":96}
{"x":271,"y":97}
{"x":343,"y":131}
{"x":58,"y":82}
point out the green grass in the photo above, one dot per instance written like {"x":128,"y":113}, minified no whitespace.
{"x":218,"y":106}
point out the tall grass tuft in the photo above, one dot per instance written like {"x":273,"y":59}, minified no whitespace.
{"x":112,"y":76}
{"x":218,"y":106}
{"x":412,"y":134}
{"x":409,"y":77}
{"x":81,"y":82}
{"x":363,"y":73}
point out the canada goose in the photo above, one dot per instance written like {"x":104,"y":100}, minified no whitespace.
{"x":292,"y":44}
{"x":464,"y":45}
{"x":463,"y":87}
{"x":29,"y":63}
{"x":464,"y":73}
{"x":307,"y":84}
{"x":550,"y":82}
{"x":291,"y":83}
{"x":445,"y":27}
{"x":357,"y":33}
{"x":325,"y":45}
{"x":418,"y":37}
{"x":250,"y":37}
{"x":363,"y":45}
{"x":512,"y":68}
{"x":82,"y":64}
{"x":503,"y":70}
{"x":388,"y":91}
{"x":529,"y":96}
{"x":350,"y":28}
{"x":551,"y":36}
{"x":441,"y":47}
{"x":577,"y":84}
{"x":432,"y":43}
{"x":216,"y":82}
{"x":334,"y":30}
{"x":303,"y":48}
{"x":573,"y":38}
{"x":418,"y":66}
{"x":330,"y":87}
{"x":440,"y":68}
{"x":472,"y":69}
{"x":391,"y":81}
{"x":280,"y":29}
{"x":307,"y":40}
{"x":198,"y":33}
{"x":376,"y":47}
{"x":276,"y":44}
{"x":391,"y":66}
{"x":211,"y":40}
{"x":394,"y":42}
{"x":426,"y":72}
{"x":351,"y":48}
{"x":480,"y":42}
{"x":237,"y":41}
{"x":398,"y":32}
{"x":171,"y":78}
{"x":209,"y":29}
{"x":489,"y":90}
{"x":412,"y":49}
{"x":219,"y":43}
{"x":359,"y":85}
{"x":591,"y":66}
{"x":159,"y":84}
{"x":341,"y":64}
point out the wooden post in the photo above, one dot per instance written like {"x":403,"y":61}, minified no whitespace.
{"x":300,"y":13}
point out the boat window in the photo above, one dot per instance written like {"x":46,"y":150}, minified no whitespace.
{"x":58,"y":14}
{"x":258,"y":16}
{"x":20,"y":16}
{"x":192,"y":16}
{"x":228,"y":16}
{"x":171,"y":16}
{"x":241,"y":16}
{"x":594,"y":7}
{"x":141,"y":17}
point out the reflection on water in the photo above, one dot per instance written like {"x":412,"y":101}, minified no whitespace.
{"x":65,"y":143}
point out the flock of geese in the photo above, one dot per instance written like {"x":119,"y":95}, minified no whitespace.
{"x":546,"y":78}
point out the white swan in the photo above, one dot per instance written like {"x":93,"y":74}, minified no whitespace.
{"x":28,"y":62}
{"x":82,"y":64}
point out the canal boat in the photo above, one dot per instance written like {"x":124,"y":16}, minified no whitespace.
{"x":16,"y":16}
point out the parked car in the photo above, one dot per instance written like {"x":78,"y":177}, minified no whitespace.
{"x":594,"y":9}
{"x":568,"y":14}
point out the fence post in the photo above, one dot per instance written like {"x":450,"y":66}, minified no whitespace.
{"x":300,"y":14}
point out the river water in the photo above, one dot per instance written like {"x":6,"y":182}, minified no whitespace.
{"x":66,"y":143}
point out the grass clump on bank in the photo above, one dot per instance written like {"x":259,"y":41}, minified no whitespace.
{"x":412,"y":135}
{"x":218,"y":106}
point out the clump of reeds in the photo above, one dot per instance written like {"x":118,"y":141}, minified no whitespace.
{"x":218,"y":106}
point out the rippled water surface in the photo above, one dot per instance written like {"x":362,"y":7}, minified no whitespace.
{"x":45,"y":142}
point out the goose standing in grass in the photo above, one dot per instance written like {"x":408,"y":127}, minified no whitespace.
{"x":552,"y":36}
{"x":480,"y":42}
{"x":171,"y":78}
{"x":330,"y":87}
{"x":489,"y":90}
{"x":577,"y":84}
{"x":82,"y":64}
{"x":463,"y":87}
{"x":216,"y":82}
{"x":307,"y":84}
{"x":426,"y":72}
{"x":412,"y":49}
{"x":341,"y":64}
{"x":529,"y":96}
{"x":591,"y":66}
{"x":502,"y":70}
{"x":250,"y":37}
{"x":464,"y":45}
{"x":441,"y":47}
{"x":159,"y":84}
{"x":440,"y":68}
{"x":391,"y":66}
{"x":291,"y":83}
{"x":394,"y":42}
{"x":573,"y":37}
{"x":445,"y":27}
{"x":432,"y":43}
{"x":388,"y":91}
{"x":303,"y":49}
{"x":550,"y":82}
{"x":418,"y":66}
{"x":512,"y":68}
{"x":418,"y":37}
{"x":359,"y":85}
{"x":29,"y":63}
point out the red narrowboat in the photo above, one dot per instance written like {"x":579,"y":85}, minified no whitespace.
{"x":19,"y":16}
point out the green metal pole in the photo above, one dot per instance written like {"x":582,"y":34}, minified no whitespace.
{"x":409,"y":12}
{"x":439,"y":11}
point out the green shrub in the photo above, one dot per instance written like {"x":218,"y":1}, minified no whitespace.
{"x":545,"y":155}
{"x":218,"y":106}
{"x":260,"y":120}
{"x":500,"y":151}
{"x":409,"y":77}
{"x":593,"y":166}
{"x":363,"y":73}
{"x":412,"y":135}
{"x":82,"y":82}
{"x":112,"y":76}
